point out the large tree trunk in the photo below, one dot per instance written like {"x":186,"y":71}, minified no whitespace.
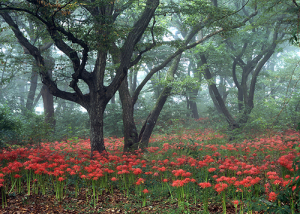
{"x":215,"y":102}
{"x":192,"y":105}
{"x":130,"y":131}
{"x":96,"y":110}
{"x":48,"y":106}
{"x":192,"y":95}
{"x":33,"y":86}
{"x":194,"y":109}
{"x":47,"y":96}
{"x":150,"y":122}
{"x":22,"y":92}
{"x":134,"y":82}
{"x":217,"y":96}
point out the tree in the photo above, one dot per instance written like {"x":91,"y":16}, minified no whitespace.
{"x":133,"y":139}
{"x":249,"y":50}
{"x":82,"y":29}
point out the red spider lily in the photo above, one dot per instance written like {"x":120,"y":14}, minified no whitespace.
{"x":286,"y":183}
{"x":162,"y":169}
{"x":17,"y":176}
{"x":272,"y":196}
{"x":287,"y":161}
{"x":140,"y":181}
{"x":216,"y":154}
{"x":220,"y":187}
{"x":177,"y":183}
{"x":61,"y":179}
{"x":272,"y":175}
{"x":145,"y":191}
{"x":137,"y":171}
{"x":123,"y":172}
{"x":72,"y":173}
{"x":267,"y":186}
{"x":277,"y":182}
{"x":186,"y":180}
{"x":227,"y":179}
{"x":57,"y":173}
{"x":186,"y":174}
{"x":204,"y":185}
{"x":76,"y":168}
{"x":181,"y":161}
{"x":202,"y":164}
{"x":179,"y":172}
{"x":83,"y":176}
{"x":113,"y":179}
{"x":235,"y":202}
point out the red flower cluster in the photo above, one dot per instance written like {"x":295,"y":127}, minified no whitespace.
{"x":237,"y":167}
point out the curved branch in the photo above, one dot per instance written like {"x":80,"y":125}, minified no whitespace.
{"x":295,"y":3}
{"x":217,"y":95}
{"x":148,"y":48}
{"x":53,"y":31}
{"x":46,"y":79}
{"x":234,"y":74}
{"x":46,"y":46}
{"x":132,"y":39}
{"x":258,"y":69}
{"x":179,"y":51}
{"x":117,"y":12}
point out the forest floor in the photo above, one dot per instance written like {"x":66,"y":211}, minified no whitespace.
{"x":247,"y":171}
{"x":107,"y":203}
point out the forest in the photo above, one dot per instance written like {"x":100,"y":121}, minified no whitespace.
{"x":149,"y":106}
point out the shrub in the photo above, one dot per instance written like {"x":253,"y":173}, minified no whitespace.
{"x":10,"y":125}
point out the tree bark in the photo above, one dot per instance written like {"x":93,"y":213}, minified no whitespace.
{"x":215,"y":102}
{"x":194,"y":109}
{"x":48,"y":106}
{"x":130,"y":131}
{"x":22,"y":93}
{"x":150,"y":122}
{"x":33,"y":86}
{"x":232,"y":123}
{"x":48,"y":97}
{"x":191,"y":96}
{"x":96,"y":110}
